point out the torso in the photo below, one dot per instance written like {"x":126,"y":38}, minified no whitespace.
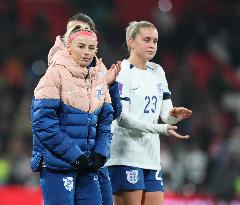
{"x":133,"y":147}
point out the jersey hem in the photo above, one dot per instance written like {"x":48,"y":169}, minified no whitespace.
{"x":138,"y":165}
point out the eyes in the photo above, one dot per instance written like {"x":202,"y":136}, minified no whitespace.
{"x":90,"y":47}
{"x":148,"y":40}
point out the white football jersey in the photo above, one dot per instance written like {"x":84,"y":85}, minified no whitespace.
{"x":143,"y":92}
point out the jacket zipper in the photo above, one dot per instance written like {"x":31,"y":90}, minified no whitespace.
{"x":89,"y":107}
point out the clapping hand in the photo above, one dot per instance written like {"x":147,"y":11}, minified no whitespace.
{"x":113,"y":72}
{"x":172,"y":132}
{"x":180,"y":113}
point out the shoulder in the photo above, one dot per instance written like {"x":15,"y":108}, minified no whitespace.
{"x":155,"y":67}
{"x":58,"y":72}
{"x":125,"y":65}
{"x":49,"y":85}
{"x":124,"y":72}
{"x":54,"y":74}
{"x":55,"y":69}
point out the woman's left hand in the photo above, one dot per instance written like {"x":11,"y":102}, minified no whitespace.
{"x":113,"y":72}
{"x":180,"y":113}
{"x":97,"y":161}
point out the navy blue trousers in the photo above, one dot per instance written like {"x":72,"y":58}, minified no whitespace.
{"x":70,"y":188}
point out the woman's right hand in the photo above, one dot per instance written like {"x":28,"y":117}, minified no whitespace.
{"x":171,"y":130}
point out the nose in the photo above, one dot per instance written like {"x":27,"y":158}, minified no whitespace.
{"x":86,"y":51}
{"x":152,"y":44}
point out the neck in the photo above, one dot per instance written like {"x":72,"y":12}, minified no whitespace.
{"x":138,"y":62}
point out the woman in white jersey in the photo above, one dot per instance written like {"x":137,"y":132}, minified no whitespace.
{"x":134,"y":163}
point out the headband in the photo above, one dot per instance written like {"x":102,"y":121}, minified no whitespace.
{"x":83,"y":33}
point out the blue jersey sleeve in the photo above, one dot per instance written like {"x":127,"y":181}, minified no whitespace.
{"x":115,"y":98}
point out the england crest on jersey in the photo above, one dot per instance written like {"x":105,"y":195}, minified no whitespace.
{"x":99,"y":93}
{"x":132,"y":176}
{"x":68,"y":183}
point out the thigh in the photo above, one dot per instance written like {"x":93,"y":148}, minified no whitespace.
{"x":126,"y":178}
{"x":105,"y":186}
{"x":87,"y":190}
{"x":154,"y":189}
{"x":128,"y":197}
{"x":153,"y":180}
{"x":152,"y":198}
{"x":58,"y":188}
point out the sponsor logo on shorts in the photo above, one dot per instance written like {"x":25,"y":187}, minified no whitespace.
{"x":68,"y":183}
{"x":132,"y":176}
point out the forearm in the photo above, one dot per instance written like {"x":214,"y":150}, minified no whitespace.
{"x":115,"y":98}
{"x":165,"y":116}
{"x":131,"y":122}
{"x":103,"y":132}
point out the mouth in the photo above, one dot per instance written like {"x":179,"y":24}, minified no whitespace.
{"x":150,"y":52}
{"x":86,"y":59}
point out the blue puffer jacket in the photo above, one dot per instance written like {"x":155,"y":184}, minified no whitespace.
{"x":71,"y":113}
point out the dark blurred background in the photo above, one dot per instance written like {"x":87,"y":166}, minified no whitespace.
{"x":199,"y":49}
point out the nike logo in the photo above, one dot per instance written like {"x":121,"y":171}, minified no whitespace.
{"x":136,"y":88}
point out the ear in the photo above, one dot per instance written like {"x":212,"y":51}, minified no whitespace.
{"x":68,"y":47}
{"x":130,"y":43}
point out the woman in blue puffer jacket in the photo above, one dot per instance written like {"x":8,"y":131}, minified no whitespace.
{"x":71,"y":122}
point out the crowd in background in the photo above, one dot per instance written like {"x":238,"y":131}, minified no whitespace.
{"x":199,"y":49}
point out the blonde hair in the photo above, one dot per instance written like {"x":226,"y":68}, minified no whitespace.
{"x":73,"y":30}
{"x":134,"y":28}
